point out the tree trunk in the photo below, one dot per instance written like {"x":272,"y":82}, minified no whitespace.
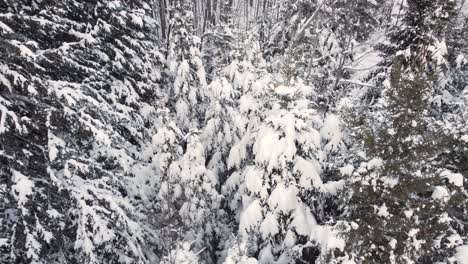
{"x":162,"y":18}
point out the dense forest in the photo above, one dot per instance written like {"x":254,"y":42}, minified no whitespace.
{"x":233,"y":131}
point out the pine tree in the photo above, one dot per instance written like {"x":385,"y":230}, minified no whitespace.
{"x":276,"y":189}
{"x":402,"y":184}
{"x":84,"y":86}
{"x":185,"y":68}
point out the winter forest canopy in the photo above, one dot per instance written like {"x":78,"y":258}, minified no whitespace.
{"x":233,"y":131}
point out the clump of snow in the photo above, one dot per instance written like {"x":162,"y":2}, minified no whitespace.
{"x":5,"y":28}
{"x":310,"y":176}
{"x":328,"y":237}
{"x":269,"y":146}
{"x":331,"y":132}
{"x":333,"y":187}
{"x":464,"y":138}
{"x":383,"y":211}
{"x":251,"y":217}
{"x":284,"y":198}
{"x":390,"y":182}
{"x":54,"y":142}
{"x":408,"y":213}
{"x":454,"y":178}
{"x":266,"y":256}
{"x":236,"y":155}
{"x":347,"y":170}
{"x":253,"y":179}
{"x":462,"y":254}
{"x":440,"y":193}
{"x":269,"y":226}
{"x":25,"y":51}
{"x":454,"y":240}
{"x":22,"y":187}
{"x":53,"y":213}
{"x":413,"y":232}
{"x":221,"y":88}
{"x":392,"y":243}
{"x":303,"y":220}
{"x":136,"y":20}
{"x":374,"y":163}
{"x":3,"y":242}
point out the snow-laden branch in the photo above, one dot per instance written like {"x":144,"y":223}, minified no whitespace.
{"x":356,"y":82}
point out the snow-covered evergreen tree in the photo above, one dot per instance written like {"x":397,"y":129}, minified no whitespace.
{"x":185,"y":70}
{"x":323,"y":132}
{"x":402,"y":182}
{"x":88,"y":85}
{"x":277,"y":220}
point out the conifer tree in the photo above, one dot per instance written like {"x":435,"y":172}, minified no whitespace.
{"x":402,"y":185}
{"x":78,"y":86}
{"x":185,"y":68}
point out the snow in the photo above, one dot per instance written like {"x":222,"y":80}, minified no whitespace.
{"x":332,"y":187}
{"x":5,"y":28}
{"x":269,"y":226}
{"x":310,"y":177}
{"x":3,"y":242}
{"x":236,"y":156}
{"x":25,"y":51}
{"x":283,"y":198}
{"x":285,"y":90}
{"x":3,"y":119}
{"x":265,"y":255}
{"x":181,"y":255}
{"x":247,"y":103}
{"x":462,"y":254}
{"x":328,"y":237}
{"x":374,"y":163}
{"x":6,"y":82}
{"x":251,"y":217}
{"x":181,"y":80}
{"x":236,"y":255}
{"x":454,"y":178}
{"x":221,"y":88}
{"x":53,"y":213}
{"x":136,"y":20}
{"x":269,"y":147}
{"x":438,"y":51}
{"x":86,"y":37}
{"x":464,"y":138}
{"x":33,"y":247}
{"x":290,"y":239}
{"x":390,"y":182}
{"x":413,"y":232}
{"x":22,"y":187}
{"x":332,"y":133}
{"x":408,"y":213}
{"x":383,"y":211}
{"x":347,"y":170}
{"x":303,"y":221}
{"x":392,"y":243}
{"x":53,"y":143}
{"x":454,"y":240}
{"x":253,"y":179}
{"x":440,"y":193}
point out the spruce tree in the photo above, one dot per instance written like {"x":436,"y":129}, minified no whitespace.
{"x":79,"y":82}
{"x":399,"y":203}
